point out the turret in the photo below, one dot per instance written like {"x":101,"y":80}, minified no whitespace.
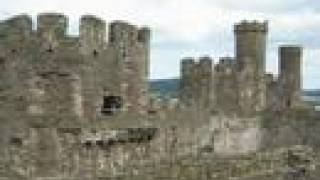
{"x":250,"y":47}
{"x":51,"y":29}
{"x":92,"y":34}
{"x":290,"y":75}
{"x":126,"y":33}
{"x":251,"y":43}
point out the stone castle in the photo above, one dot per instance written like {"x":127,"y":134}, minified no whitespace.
{"x":240,"y":84}
{"x":78,"y":108}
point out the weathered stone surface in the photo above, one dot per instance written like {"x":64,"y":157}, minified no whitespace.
{"x":75,"y":108}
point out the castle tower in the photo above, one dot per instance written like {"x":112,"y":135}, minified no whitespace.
{"x":92,"y":34}
{"x":250,"y":39}
{"x":290,"y":75}
{"x":51,"y":29}
{"x":131,"y":47}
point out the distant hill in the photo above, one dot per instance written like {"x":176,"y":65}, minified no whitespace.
{"x":311,"y":92}
{"x":169,"y":87}
{"x":164,"y":87}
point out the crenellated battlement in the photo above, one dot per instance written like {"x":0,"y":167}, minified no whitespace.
{"x":93,"y":27}
{"x":227,"y":60}
{"x":52,"y":27}
{"x":226,"y":64}
{"x":187,"y":61}
{"x":17,"y":26}
{"x":92,"y":33}
{"x":205,"y":61}
{"x":191,"y":65}
{"x":251,"y":26}
{"x":120,"y":31}
{"x":292,"y":49}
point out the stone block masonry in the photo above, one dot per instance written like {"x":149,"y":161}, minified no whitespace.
{"x":48,"y":73}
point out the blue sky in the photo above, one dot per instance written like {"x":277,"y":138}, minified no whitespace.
{"x":197,"y":28}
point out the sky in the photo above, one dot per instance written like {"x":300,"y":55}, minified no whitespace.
{"x":195,"y":28}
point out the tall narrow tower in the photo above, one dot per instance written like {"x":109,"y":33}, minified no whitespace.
{"x":290,"y":73}
{"x":250,"y":39}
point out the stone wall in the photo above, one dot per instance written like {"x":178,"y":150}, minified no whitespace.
{"x":47,"y":73}
{"x":225,"y":85}
{"x":196,"y":87}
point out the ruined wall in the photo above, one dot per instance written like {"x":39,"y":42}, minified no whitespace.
{"x":225,"y":85}
{"x":51,"y":78}
{"x":290,"y":76}
{"x":250,"y":39}
{"x":196,"y":86}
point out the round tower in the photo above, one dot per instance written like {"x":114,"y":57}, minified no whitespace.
{"x":51,"y":29}
{"x":92,"y":34}
{"x":290,"y":74}
{"x":250,"y":47}
{"x":250,"y":40}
